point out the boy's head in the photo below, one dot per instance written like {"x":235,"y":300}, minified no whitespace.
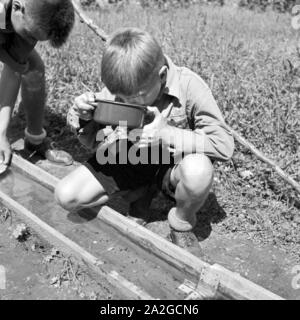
{"x":133,"y":66}
{"x":40,"y":20}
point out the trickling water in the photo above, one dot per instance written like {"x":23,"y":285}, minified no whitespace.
{"x":33,"y":197}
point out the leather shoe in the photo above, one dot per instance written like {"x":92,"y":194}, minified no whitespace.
{"x":48,"y":151}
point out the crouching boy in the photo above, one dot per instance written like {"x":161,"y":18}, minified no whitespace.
{"x":186,"y":122}
{"x":22,"y":24}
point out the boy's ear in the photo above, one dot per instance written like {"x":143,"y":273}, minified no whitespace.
{"x":163,"y":73}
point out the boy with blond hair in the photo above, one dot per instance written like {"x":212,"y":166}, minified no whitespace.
{"x":22,"y":24}
{"x":187,"y":123}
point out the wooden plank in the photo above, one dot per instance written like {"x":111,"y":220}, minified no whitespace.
{"x":56,"y":238}
{"x":34,"y":172}
{"x":228,"y":283}
{"x":234,"y":285}
{"x":152,"y":242}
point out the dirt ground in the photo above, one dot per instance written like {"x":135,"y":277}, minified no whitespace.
{"x":35,"y":270}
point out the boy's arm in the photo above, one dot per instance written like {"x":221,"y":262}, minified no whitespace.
{"x":9,"y":88}
{"x":209,"y":135}
{"x":7,"y":59}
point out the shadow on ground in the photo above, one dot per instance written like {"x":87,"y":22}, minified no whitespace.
{"x":209,"y":214}
{"x":57,"y":131}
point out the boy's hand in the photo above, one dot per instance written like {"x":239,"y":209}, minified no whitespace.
{"x":85,"y":106}
{"x":5,"y":151}
{"x":150,"y":134}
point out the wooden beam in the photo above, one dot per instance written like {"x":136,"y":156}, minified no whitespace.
{"x":152,"y":242}
{"x":34,"y":172}
{"x":227,"y":282}
{"x":234,"y":285}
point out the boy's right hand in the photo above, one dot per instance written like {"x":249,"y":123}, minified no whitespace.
{"x":85,"y":105}
{"x":5,"y":151}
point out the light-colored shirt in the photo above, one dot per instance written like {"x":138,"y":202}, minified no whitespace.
{"x":194,"y":108}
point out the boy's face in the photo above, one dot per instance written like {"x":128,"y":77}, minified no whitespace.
{"x":23,"y":24}
{"x":147,"y":95}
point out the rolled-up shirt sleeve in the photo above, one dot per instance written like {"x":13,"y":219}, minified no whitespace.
{"x":212,"y":137}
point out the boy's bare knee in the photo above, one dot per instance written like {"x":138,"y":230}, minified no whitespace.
{"x":196,"y":174}
{"x":65,"y":197}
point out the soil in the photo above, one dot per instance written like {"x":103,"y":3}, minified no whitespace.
{"x":35,"y":270}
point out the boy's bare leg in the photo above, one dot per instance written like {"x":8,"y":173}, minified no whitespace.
{"x":80,"y":189}
{"x":192,"y":180}
{"x":33,"y":101}
{"x":34,"y":94}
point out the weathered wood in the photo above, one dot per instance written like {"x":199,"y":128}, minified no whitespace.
{"x":152,"y":242}
{"x":229,"y":283}
{"x":234,"y":285}
{"x":34,"y":172}
{"x":128,"y":288}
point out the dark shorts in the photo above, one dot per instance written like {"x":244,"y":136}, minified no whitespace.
{"x":129,"y":176}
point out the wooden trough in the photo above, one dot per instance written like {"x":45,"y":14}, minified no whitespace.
{"x":214,"y":277}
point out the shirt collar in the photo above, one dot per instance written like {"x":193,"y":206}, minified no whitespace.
{"x":172,"y":87}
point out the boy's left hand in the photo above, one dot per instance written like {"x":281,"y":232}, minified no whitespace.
{"x":151,"y":133}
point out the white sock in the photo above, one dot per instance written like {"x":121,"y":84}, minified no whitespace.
{"x":35,"y":139}
{"x":179,"y":224}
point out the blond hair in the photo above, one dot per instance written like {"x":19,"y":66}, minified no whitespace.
{"x":130,"y":61}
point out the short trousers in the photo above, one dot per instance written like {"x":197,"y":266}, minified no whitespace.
{"x":129,"y":176}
